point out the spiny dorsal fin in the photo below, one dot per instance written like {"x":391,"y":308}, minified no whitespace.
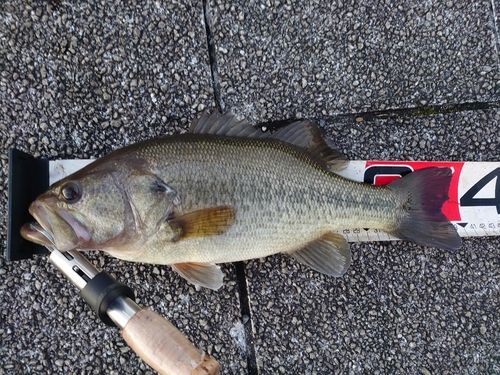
{"x":207,"y":222}
{"x":329,"y":254}
{"x":227,"y":125}
{"x":207,"y":275}
{"x":304,"y":134}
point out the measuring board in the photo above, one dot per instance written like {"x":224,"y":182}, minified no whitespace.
{"x":474,"y":195}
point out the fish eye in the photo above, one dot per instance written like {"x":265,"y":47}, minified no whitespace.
{"x":70,"y":192}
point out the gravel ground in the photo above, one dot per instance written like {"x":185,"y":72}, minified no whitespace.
{"x":317,"y":59}
{"x":77,"y":81}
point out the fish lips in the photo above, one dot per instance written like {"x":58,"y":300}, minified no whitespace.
{"x":34,"y":232}
{"x":67,"y":233}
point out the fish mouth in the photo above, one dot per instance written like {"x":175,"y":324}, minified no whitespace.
{"x":35,"y":233}
{"x":55,"y":228}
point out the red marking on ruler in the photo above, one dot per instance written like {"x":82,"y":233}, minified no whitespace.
{"x":451,"y":207}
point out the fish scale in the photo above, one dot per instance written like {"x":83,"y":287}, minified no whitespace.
{"x":227,"y":192}
{"x":293,"y":199}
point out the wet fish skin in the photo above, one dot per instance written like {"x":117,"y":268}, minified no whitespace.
{"x":280,"y":196}
{"x":226,"y":192}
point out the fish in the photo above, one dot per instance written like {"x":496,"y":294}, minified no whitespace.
{"x":226,"y":191}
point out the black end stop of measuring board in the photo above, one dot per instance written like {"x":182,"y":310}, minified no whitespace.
{"x":28,"y":178}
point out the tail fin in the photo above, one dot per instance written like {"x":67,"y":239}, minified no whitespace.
{"x":422,"y":194}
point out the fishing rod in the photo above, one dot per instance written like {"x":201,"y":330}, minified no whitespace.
{"x":157,"y":341}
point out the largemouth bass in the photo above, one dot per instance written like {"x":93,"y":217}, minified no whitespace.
{"x":227,"y":192}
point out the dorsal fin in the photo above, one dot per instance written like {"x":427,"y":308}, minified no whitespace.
{"x":304,"y":134}
{"x":227,"y":124}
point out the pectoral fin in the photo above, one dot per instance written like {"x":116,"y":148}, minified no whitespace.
{"x":329,"y":254}
{"x":207,"y":275}
{"x":202,"y":223}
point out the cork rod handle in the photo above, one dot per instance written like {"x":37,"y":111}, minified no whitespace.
{"x":165,"y":348}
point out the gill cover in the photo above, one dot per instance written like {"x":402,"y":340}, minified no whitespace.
{"x":105,"y":204}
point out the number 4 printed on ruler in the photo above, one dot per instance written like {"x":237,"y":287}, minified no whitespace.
{"x":469,"y":198}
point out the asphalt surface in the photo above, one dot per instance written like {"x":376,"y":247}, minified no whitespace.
{"x":386,"y":80}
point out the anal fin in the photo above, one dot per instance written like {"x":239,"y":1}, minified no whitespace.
{"x":207,"y":275}
{"x":328,"y":254}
